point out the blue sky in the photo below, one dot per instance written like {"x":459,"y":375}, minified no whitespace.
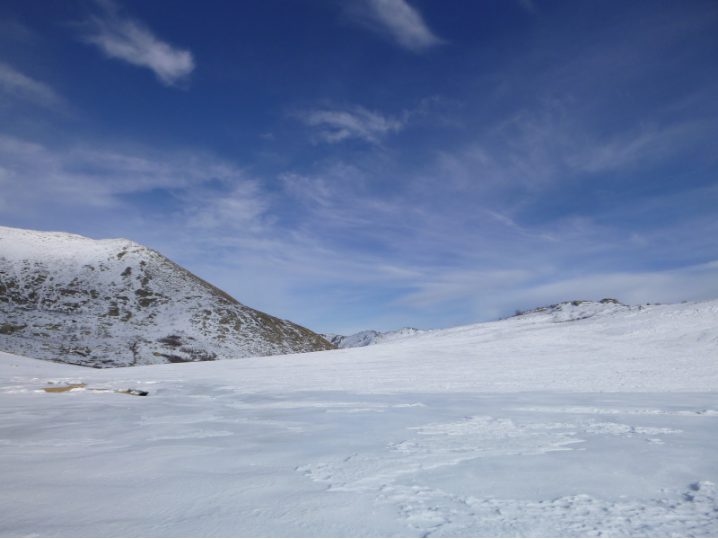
{"x":375,"y":163}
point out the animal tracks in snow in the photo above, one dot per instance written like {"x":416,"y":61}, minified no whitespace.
{"x":437,"y":445}
{"x":386,"y":470}
{"x":598,"y":410}
{"x":433,"y":512}
{"x":444,"y":444}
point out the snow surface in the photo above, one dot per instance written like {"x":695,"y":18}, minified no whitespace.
{"x":556,"y":424}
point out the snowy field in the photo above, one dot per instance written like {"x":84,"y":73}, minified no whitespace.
{"x":598,"y":420}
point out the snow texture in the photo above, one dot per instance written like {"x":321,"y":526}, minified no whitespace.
{"x":546,"y":424}
{"x":109,"y":303}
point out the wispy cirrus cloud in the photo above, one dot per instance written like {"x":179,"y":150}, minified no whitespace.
{"x":124,"y":38}
{"x":92,"y":176}
{"x":334,"y":125}
{"x":338,"y":247}
{"x":538,"y":181}
{"x":398,"y":20}
{"x":17,"y":85}
{"x":497,"y":293}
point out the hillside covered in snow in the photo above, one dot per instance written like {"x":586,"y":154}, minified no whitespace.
{"x":369,"y":337}
{"x":566,"y":311}
{"x":110,"y":303}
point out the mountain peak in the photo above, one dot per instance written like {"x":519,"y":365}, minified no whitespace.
{"x":108,"y":303}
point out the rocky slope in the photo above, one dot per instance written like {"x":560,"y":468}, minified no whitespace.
{"x":570,"y":311}
{"x":112,"y":303}
{"x":369,"y":337}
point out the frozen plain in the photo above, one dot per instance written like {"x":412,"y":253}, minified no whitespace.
{"x":591,"y":420}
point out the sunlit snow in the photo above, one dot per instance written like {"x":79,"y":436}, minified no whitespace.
{"x":586,"y":420}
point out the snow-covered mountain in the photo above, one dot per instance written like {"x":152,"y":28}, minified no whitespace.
{"x":566,"y":311}
{"x":111,"y":303}
{"x":569,"y":311}
{"x":369,"y":337}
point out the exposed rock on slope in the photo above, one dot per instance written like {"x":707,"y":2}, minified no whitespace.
{"x":568,"y":311}
{"x":112,"y":303}
{"x":369,"y":337}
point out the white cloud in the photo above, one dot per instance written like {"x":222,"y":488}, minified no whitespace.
{"x":243,"y":208}
{"x":446,"y":286}
{"x":399,"y":20}
{"x":539,"y":149}
{"x":321,"y":245}
{"x":498,"y":293}
{"x":668,"y":286}
{"x":129,"y":40}
{"x":336,"y":125}
{"x":338,"y":201}
{"x":311,"y":190}
{"x":17,"y":85}
{"x":93,"y":176}
{"x":638,"y":147}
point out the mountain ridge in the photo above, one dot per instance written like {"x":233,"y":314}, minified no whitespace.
{"x":565,"y":311}
{"x":109,"y":303}
{"x":370,"y":337}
